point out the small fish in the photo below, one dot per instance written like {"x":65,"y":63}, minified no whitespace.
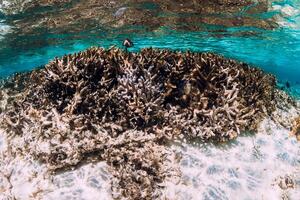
{"x":127,"y":43}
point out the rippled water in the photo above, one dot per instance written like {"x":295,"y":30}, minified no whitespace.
{"x":275,"y":50}
{"x":251,"y":167}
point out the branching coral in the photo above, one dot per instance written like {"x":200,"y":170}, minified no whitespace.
{"x":123,"y":107}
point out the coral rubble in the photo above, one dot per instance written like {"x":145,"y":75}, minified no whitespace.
{"x":123,"y":107}
{"x":296,"y":128}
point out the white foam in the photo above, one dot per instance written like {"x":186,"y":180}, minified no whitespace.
{"x":289,"y":14}
{"x":286,"y":10}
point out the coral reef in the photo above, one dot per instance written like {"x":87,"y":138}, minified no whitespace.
{"x":286,"y":182}
{"x":124,"y":107}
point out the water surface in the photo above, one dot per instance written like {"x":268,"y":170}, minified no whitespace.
{"x":266,"y":37}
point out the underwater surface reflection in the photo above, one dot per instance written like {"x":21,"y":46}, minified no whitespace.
{"x":267,"y":35}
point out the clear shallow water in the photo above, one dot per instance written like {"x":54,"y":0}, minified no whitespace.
{"x":248,"y":168}
{"x":276,"y":50}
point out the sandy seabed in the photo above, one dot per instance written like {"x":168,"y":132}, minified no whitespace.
{"x":261,"y":166}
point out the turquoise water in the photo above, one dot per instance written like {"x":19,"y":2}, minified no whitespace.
{"x":251,"y":166}
{"x":276,"y":51}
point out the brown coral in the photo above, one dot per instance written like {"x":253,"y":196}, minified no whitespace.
{"x":296,"y":128}
{"x":123,"y":107}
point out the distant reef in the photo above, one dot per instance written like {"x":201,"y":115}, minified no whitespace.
{"x":124,"y":107}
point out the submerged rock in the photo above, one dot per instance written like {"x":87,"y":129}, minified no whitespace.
{"x":124,"y":107}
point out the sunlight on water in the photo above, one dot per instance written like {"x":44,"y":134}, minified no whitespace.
{"x":30,"y":180}
{"x":253,"y":166}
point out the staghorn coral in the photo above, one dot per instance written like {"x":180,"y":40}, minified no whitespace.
{"x":124,"y":107}
{"x":137,"y":165}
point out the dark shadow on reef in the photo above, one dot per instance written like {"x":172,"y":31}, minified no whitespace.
{"x":124,"y":107}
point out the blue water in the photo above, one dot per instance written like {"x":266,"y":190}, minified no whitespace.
{"x":276,"y":51}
